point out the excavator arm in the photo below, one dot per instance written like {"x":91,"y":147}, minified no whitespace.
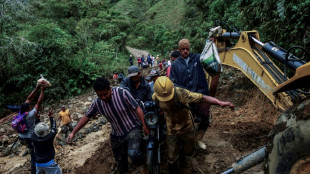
{"x":252,"y":57}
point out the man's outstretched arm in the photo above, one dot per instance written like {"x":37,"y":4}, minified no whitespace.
{"x":40,"y":100}
{"x":215,"y":101}
{"x":32,"y":95}
{"x":84,"y":120}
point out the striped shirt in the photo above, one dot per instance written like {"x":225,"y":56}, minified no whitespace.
{"x":119,"y":111}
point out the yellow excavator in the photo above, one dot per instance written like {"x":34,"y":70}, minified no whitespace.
{"x":288,"y":148}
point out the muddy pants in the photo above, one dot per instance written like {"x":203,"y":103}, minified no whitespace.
{"x":28,"y":143}
{"x":202,"y":113}
{"x":187,"y":141}
{"x":180,"y":147}
{"x":128,"y":145}
{"x":66,"y":128}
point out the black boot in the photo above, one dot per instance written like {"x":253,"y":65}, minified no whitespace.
{"x":173,"y":168}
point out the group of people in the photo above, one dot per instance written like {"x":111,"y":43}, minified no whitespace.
{"x":182,"y":96}
{"x":39,"y":138}
{"x":148,"y":62}
{"x":185,"y":82}
{"x":118,"y":77}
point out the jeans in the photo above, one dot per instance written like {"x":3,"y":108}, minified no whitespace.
{"x":51,"y":169}
{"x":128,"y":145}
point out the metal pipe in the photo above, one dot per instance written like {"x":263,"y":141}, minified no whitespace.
{"x":249,"y":161}
{"x":257,"y":41}
{"x":231,"y":170}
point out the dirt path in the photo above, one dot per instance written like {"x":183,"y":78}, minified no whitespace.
{"x":136,"y":52}
{"x":231,"y":135}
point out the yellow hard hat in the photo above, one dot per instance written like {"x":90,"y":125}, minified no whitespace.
{"x":163,"y":88}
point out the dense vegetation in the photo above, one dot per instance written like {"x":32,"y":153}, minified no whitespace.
{"x":72,"y":42}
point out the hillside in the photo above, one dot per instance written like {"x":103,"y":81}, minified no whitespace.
{"x":169,"y":13}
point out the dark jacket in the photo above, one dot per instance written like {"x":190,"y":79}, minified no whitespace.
{"x":43,"y":146}
{"x":191,"y":77}
{"x":143,"y":92}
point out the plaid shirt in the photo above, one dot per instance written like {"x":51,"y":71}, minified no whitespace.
{"x":120,"y":111}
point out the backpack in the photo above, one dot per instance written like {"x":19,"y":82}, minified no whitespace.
{"x":19,"y":124}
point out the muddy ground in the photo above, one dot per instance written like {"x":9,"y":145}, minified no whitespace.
{"x":231,"y":135}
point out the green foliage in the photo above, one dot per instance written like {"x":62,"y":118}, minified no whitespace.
{"x":70,"y":43}
{"x":73,"y":42}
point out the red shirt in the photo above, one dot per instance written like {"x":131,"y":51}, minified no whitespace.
{"x":160,"y":66}
{"x":168,"y":71}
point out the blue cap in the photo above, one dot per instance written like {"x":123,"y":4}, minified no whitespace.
{"x":133,"y":71}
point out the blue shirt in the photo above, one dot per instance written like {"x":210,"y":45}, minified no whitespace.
{"x":152,"y":86}
{"x":189,"y":74}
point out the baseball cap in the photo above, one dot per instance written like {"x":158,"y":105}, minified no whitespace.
{"x":41,"y":129}
{"x":133,"y":71}
{"x":148,"y":77}
{"x":63,"y":106}
{"x":154,"y":73}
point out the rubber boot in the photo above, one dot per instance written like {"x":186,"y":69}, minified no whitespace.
{"x":199,"y":136}
{"x":186,"y":166}
{"x":173,"y":168}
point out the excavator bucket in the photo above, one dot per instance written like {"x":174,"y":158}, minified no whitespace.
{"x":301,"y":79}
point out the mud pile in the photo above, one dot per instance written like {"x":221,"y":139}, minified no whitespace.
{"x":231,"y":135}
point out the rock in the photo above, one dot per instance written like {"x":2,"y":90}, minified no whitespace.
{"x":62,"y":143}
{"x":89,"y":99}
{"x":24,"y":153}
{"x":103,"y":121}
{"x":2,"y":130}
{"x":72,"y":109}
{"x":4,"y":153}
{"x":95,"y":129}
{"x":79,"y":115}
{"x":12,"y":155}
{"x":74,"y":101}
{"x":79,"y":111}
{"x":5,"y":139}
{"x":87,"y":104}
{"x":74,"y":124}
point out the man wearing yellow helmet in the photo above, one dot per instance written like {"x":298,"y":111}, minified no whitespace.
{"x":174,"y":102}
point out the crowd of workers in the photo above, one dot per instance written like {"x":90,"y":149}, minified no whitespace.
{"x":185,"y":80}
{"x":150,"y":61}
